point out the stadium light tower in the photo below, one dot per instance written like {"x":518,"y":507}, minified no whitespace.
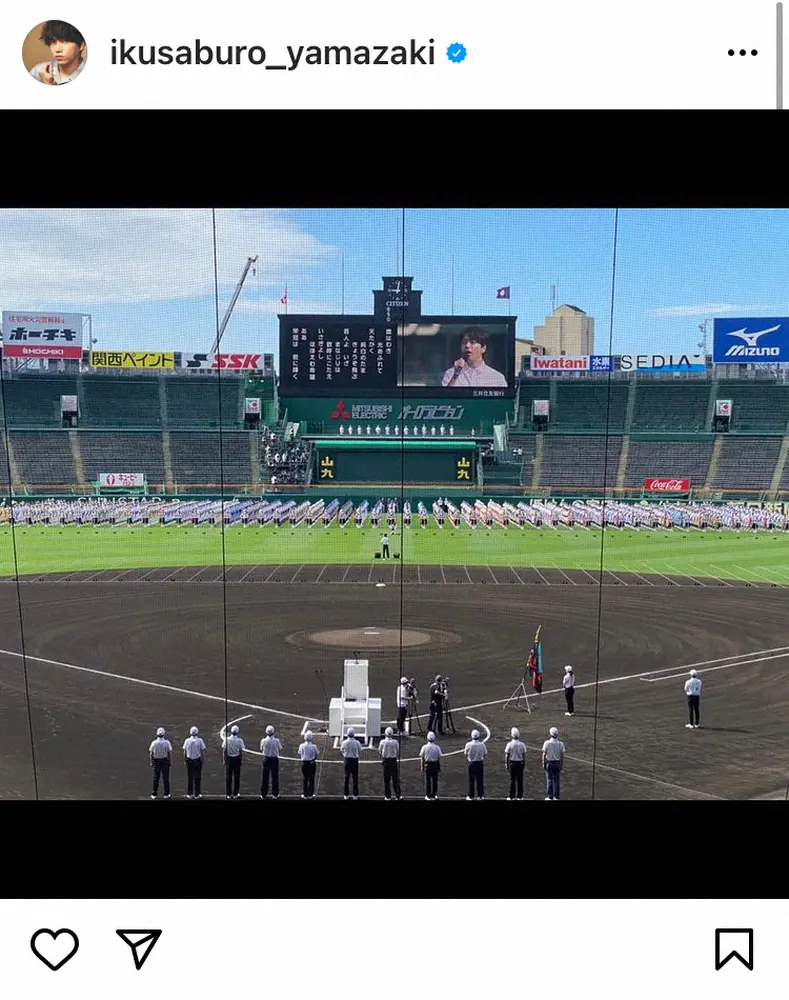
{"x":231,"y":307}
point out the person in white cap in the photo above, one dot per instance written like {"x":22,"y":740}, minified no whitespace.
{"x":552,"y":761}
{"x":351,"y":750}
{"x":476,"y":751}
{"x":389,"y":749}
{"x":160,"y":752}
{"x":693,"y":691}
{"x":233,"y":748}
{"x":515,"y":762}
{"x":308,"y":753}
{"x":430,"y":765}
{"x":271,"y":748}
{"x":402,"y":704}
{"x":569,"y":689}
{"x":194,"y":748}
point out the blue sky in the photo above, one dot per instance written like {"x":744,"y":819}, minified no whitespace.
{"x":148,"y":276}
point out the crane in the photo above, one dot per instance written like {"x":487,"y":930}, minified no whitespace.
{"x":231,"y":307}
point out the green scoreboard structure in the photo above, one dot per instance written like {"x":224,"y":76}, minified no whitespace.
{"x":402,"y":461}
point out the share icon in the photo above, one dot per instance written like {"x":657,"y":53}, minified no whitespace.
{"x":141,"y":944}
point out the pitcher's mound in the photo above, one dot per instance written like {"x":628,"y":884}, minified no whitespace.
{"x":371,"y":637}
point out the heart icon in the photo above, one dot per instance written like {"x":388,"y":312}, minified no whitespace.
{"x":53,"y":953}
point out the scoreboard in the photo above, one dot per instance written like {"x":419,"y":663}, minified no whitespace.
{"x":397,"y":352}
{"x":365,"y":463}
{"x":339,"y":357}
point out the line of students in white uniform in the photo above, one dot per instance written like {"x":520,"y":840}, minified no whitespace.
{"x":233,"y":747}
{"x":475,"y":751}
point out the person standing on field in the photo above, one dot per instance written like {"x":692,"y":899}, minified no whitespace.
{"x":693,"y":692}
{"x":569,"y":689}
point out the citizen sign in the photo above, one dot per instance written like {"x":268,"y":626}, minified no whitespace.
{"x":667,"y":485}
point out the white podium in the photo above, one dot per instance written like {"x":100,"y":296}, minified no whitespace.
{"x":355,"y":708}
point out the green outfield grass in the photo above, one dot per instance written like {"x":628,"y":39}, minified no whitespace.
{"x":758,"y":557}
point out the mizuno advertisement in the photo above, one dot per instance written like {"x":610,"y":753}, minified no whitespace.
{"x":741,"y":341}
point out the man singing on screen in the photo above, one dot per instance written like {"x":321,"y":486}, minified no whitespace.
{"x":470,"y":370}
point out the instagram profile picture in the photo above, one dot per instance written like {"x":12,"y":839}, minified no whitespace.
{"x":54,"y":53}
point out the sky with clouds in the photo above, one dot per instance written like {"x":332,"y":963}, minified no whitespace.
{"x":160,"y":279}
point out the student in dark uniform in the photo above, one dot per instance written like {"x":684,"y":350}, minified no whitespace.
{"x":437,"y":695}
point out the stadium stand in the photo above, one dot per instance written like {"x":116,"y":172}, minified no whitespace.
{"x":32,"y":401}
{"x":594,"y":405}
{"x":205,"y":401}
{"x":676,"y":459}
{"x":4,"y":484}
{"x":166,"y":425}
{"x":123,"y":451}
{"x":671,"y":406}
{"x":757,"y":406}
{"x":120,"y":402}
{"x":44,"y":460}
{"x":198,"y":466}
{"x":588,"y":461}
{"x":531,"y":389}
{"x":746,"y":463}
{"x":526,"y":443}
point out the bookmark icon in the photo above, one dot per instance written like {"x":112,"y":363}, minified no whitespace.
{"x":734,"y":943}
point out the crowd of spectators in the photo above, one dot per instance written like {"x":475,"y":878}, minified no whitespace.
{"x":286,"y":462}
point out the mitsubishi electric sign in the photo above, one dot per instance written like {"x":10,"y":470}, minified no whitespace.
{"x":743,"y":341}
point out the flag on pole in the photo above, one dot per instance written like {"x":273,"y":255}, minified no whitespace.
{"x":535,"y":662}
{"x":284,"y":299}
{"x":503,"y":293}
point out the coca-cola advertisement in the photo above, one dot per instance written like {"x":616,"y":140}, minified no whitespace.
{"x":662,"y":484}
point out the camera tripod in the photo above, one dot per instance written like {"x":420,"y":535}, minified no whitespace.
{"x":449,"y":722}
{"x":413,"y":713}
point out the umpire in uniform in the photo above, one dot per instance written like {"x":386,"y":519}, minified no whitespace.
{"x":437,"y":695}
{"x":389,"y":749}
{"x":271,"y":748}
{"x":553,"y":761}
{"x":308,"y":753}
{"x":515,"y":760}
{"x":160,"y":752}
{"x":569,"y":689}
{"x":194,"y":748}
{"x":402,"y":704}
{"x":430,"y":765}
{"x":384,"y":546}
{"x":693,"y":692}
{"x":351,"y":750}
{"x":232,"y":749}
{"x":476,"y":752}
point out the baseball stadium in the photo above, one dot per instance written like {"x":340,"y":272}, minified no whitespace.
{"x":279,"y":539}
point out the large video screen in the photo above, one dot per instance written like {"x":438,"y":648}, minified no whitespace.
{"x":464,"y":357}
